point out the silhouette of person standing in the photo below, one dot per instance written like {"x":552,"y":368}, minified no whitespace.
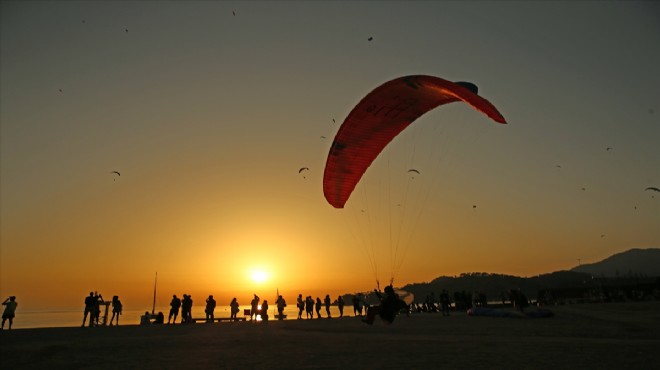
{"x":175,"y":304}
{"x":301,"y":306}
{"x":98,"y":299}
{"x":444,"y":303}
{"x":116,"y":309}
{"x":90,"y":306}
{"x":255,"y":308}
{"x":9,"y":312}
{"x":210,"y":307}
{"x":318,"y":307}
{"x":281,"y":303}
{"x":309,"y":307}
{"x":186,"y":309}
{"x":234,"y":308}
{"x":264,"y":311}
{"x":340,"y":305}
{"x":327,"y":302}
{"x":357,"y":309}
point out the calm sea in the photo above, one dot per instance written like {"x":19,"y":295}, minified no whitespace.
{"x":73,"y":318}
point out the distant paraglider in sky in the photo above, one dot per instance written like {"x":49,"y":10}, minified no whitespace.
{"x":303,"y":170}
{"x":413,"y":170}
{"x":117,"y":175}
{"x":380,"y":117}
{"x":653,"y":188}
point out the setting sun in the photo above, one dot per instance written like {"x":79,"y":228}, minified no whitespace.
{"x":259,"y":276}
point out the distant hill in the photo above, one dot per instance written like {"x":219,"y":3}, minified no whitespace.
{"x":493,"y":285}
{"x":624,"y":267}
{"x":634,"y":262}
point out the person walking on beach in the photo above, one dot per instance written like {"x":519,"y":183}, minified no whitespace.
{"x":234,"y":308}
{"x":90,"y":305}
{"x":255,"y":307}
{"x":301,"y":306}
{"x":210,"y":307}
{"x":116,"y":309}
{"x":175,"y":304}
{"x":318,"y":307}
{"x":9,"y":312}
{"x":327,"y":302}
{"x":340,"y":305}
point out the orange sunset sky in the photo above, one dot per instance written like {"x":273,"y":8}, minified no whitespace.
{"x":209,"y":109}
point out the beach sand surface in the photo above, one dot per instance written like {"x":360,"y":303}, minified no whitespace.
{"x":585,"y":336}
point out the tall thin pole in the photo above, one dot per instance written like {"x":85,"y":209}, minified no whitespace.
{"x":153,"y":307}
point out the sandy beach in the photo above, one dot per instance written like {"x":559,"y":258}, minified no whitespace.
{"x":588,"y":336}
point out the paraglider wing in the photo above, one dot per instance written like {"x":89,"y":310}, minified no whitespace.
{"x":303,"y":169}
{"x":381,"y":116}
{"x":413,"y":170}
{"x":117,"y":172}
{"x":653,"y":188}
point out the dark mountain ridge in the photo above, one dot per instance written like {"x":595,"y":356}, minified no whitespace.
{"x":645,"y":262}
{"x":635,"y":267}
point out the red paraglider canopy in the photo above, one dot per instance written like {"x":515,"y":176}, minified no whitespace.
{"x":380,"y":117}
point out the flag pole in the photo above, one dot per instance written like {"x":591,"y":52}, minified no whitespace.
{"x":153,"y":307}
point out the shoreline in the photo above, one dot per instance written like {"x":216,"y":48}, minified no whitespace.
{"x":610,"y":335}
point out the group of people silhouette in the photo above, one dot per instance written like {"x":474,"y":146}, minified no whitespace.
{"x":182,"y":307}
{"x":308,"y":305}
{"x":93,"y":304}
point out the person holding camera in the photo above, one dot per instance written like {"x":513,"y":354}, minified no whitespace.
{"x":10,"y":310}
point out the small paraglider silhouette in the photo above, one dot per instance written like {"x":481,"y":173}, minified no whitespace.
{"x":303,"y":169}
{"x":413,"y":171}
{"x":115,"y":173}
{"x":653,"y":188}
